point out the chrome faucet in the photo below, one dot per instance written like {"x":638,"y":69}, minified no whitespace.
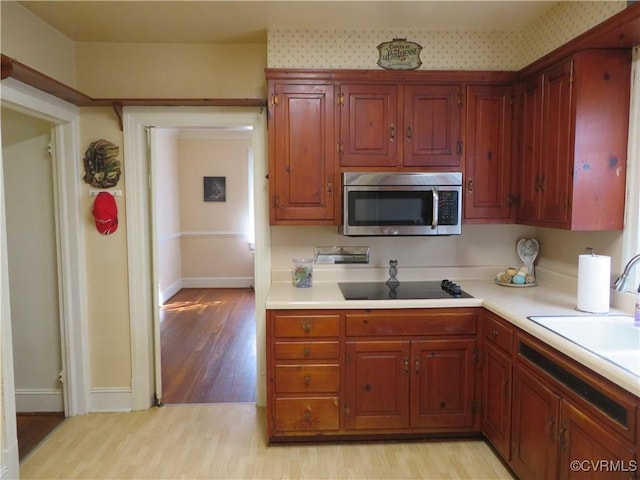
{"x":621,"y":281}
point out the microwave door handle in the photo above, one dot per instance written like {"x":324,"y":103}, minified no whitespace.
{"x":434,"y":219}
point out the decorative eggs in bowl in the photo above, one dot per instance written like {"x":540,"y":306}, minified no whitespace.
{"x":516,"y":277}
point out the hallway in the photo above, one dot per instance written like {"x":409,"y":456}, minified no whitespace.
{"x":208,"y":339}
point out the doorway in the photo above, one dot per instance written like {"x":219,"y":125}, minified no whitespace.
{"x":33,"y":267}
{"x":145,"y":338}
{"x":204,"y":263}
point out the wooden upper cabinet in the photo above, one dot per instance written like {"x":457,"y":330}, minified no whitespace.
{"x":488,"y":194}
{"x":555,"y":159}
{"x":384,"y":125}
{"x":432,"y":126}
{"x":302,"y":153}
{"x":368,"y":125}
{"x":573,"y":142}
{"x":530,"y":144}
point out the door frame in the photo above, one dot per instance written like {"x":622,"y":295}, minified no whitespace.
{"x":71,"y":260}
{"x":139,"y":233}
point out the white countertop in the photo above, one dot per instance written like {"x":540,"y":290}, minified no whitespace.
{"x":512,"y":304}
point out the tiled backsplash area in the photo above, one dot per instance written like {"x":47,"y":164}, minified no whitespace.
{"x":442,"y":50}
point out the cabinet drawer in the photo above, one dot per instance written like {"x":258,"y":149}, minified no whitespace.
{"x":307,"y":378}
{"x":498,"y":334}
{"x":426,"y":323}
{"x":301,"y":414}
{"x":306,"y":325}
{"x":306,"y":350}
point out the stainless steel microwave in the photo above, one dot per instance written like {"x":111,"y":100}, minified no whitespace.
{"x":394,"y":203}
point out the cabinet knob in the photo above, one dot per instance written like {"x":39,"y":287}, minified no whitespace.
{"x":307,"y":380}
{"x":306,"y":327}
{"x":307,"y":416}
{"x":495,"y":334}
{"x":306,"y":352}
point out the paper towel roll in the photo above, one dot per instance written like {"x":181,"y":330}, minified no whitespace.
{"x":594,"y":273}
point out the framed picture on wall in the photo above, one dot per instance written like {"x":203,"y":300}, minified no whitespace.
{"x":215,"y":189}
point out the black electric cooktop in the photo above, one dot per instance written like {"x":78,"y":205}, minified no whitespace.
{"x":401,"y":291}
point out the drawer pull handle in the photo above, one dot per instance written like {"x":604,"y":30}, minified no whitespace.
{"x":307,"y":416}
{"x":307,"y":380}
{"x":495,"y":334}
{"x":307,"y":351}
{"x":306,"y":327}
{"x":367,"y":388}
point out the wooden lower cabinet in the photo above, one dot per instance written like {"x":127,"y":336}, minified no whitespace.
{"x":443,"y":384}
{"x":496,"y":399}
{"x":535,"y":422}
{"x":596,"y":453}
{"x":361,"y":374}
{"x":368,"y":373}
{"x":303,"y":388}
{"x":378,"y":380}
{"x":426,"y":384}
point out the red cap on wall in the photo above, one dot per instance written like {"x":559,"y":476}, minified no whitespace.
{"x":105,"y":212}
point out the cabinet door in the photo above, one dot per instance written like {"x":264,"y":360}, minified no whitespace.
{"x":377,"y":384}
{"x":488,"y":153}
{"x":302,"y":146}
{"x":557,"y":145}
{"x":601,"y":455}
{"x":530,"y":145}
{"x":443,"y":384}
{"x":496,"y":399}
{"x":368,"y":125}
{"x":432,"y":126}
{"x":534,"y":452}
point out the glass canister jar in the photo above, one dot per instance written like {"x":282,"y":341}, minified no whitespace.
{"x":302,"y":272}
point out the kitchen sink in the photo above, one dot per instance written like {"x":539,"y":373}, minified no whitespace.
{"x":612,"y":337}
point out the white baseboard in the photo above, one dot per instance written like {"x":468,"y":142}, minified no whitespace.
{"x":205,"y":282}
{"x":170,"y":291}
{"x":39,"y":400}
{"x":10,"y":461}
{"x":110,"y":400}
{"x":217,"y":282}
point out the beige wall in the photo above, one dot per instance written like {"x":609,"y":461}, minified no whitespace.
{"x":169,"y":70}
{"x":167,"y":211}
{"x":33,"y":269}
{"x":29,"y":40}
{"x":214,"y":242}
{"x":107,"y":279}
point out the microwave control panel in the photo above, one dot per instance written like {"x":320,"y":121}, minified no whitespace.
{"x":447,"y":207}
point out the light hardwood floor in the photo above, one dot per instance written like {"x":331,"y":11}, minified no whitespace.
{"x":227,"y":441}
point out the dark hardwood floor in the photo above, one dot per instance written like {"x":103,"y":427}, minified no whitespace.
{"x":33,"y":428}
{"x":208,"y":346}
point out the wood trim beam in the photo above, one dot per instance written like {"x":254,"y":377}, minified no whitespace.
{"x":19,"y":71}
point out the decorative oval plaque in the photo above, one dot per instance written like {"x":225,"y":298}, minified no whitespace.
{"x":399,"y":54}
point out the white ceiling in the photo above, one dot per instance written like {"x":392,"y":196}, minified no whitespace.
{"x":239,"y":21}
